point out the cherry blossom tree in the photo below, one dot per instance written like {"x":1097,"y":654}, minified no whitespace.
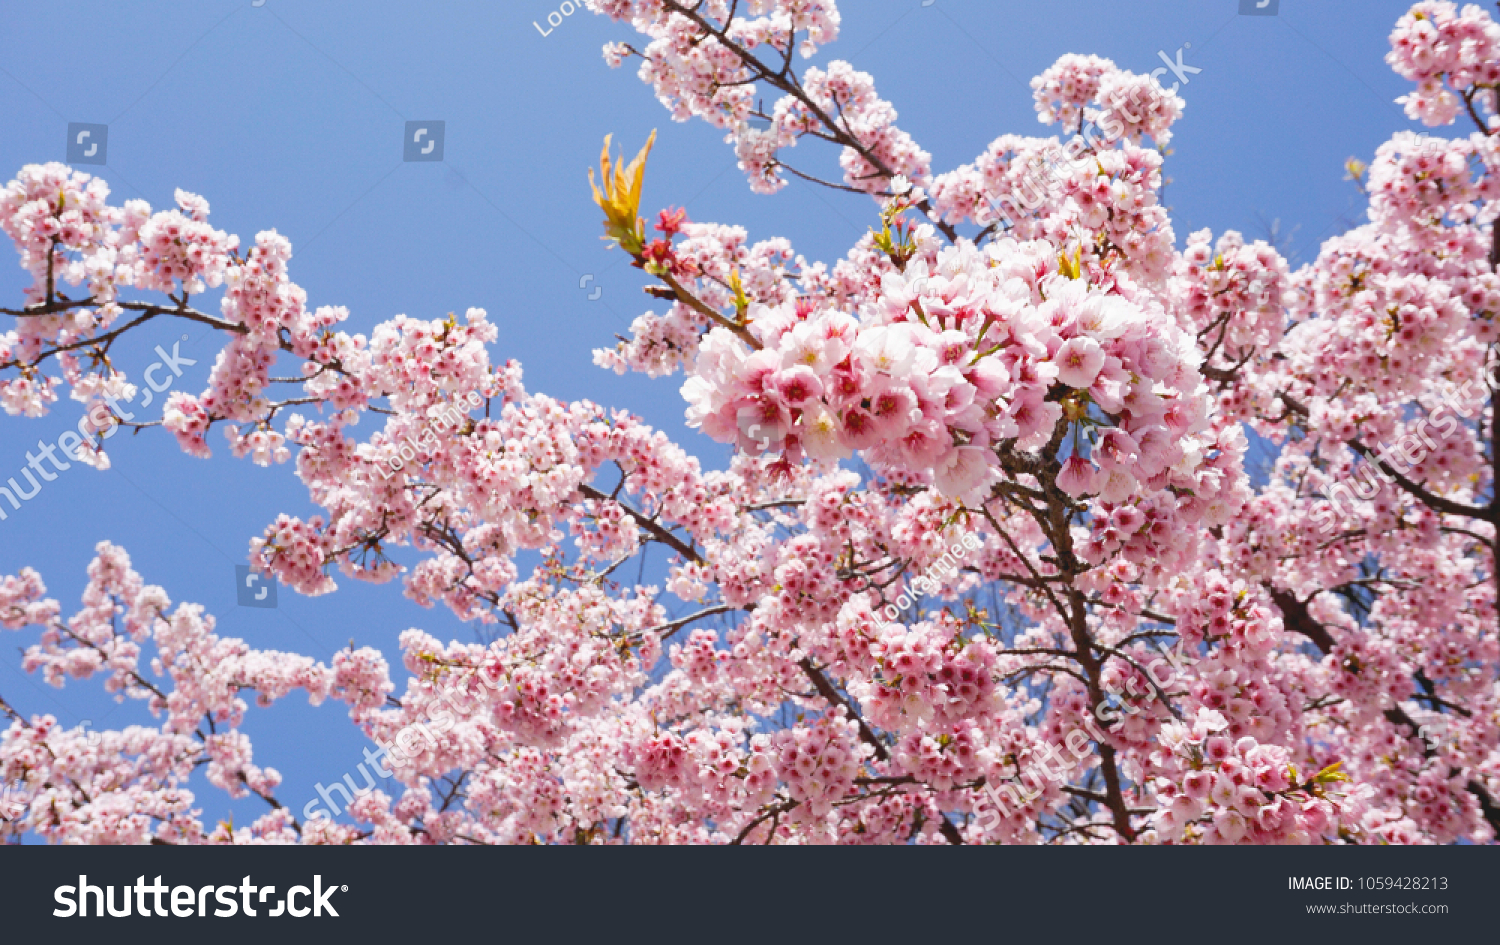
{"x":986,"y":566}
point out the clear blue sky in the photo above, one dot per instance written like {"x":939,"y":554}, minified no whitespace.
{"x":290,"y":115}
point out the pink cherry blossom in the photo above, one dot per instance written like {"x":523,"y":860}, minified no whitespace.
{"x":1079,"y":361}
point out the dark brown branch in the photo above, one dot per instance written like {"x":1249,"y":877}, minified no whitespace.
{"x":667,"y":629}
{"x":1299,"y":619}
{"x":1434,"y":502}
{"x":866,"y":734}
{"x":774,"y":811}
{"x":788,"y":84}
{"x":655,"y":529}
{"x":834,"y":697}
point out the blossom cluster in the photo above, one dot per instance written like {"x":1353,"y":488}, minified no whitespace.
{"x":1447,"y":52}
{"x":960,"y":357}
{"x":1229,"y":791}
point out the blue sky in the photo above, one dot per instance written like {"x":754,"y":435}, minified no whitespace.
{"x":291,"y":115}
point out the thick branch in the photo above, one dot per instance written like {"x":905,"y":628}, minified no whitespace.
{"x":1299,"y":619}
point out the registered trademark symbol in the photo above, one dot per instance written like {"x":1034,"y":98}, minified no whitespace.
{"x":343,"y":888}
